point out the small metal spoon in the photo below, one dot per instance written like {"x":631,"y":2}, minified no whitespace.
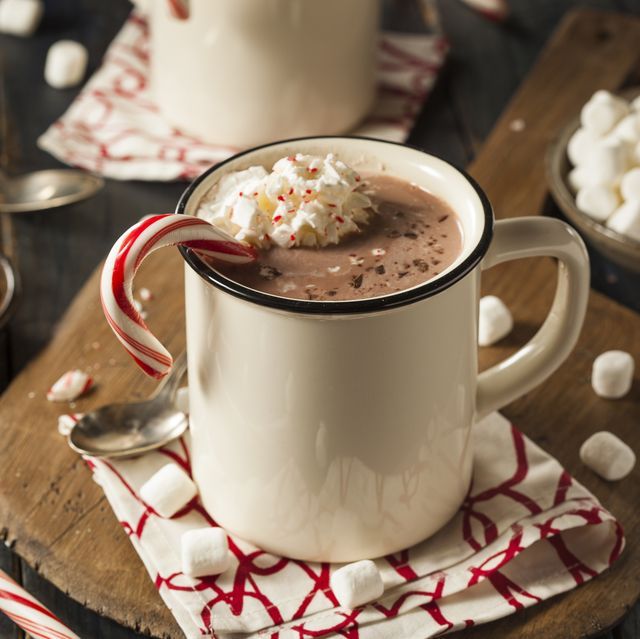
{"x":126,"y":430}
{"x":41,"y":190}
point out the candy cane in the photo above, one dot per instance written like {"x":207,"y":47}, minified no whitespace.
{"x":28,"y":613}
{"x":123,"y":261}
{"x":179,"y":9}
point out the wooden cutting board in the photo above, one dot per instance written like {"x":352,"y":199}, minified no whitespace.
{"x":57,"y":519}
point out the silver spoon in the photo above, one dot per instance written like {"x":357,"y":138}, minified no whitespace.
{"x":126,"y":430}
{"x":49,"y":189}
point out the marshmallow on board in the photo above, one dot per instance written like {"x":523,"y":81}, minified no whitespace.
{"x":612,"y":374}
{"x":204,"y":552}
{"x":20,"y":17}
{"x":357,"y":583}
{"x":66,"y":64}
{"x":495,"y":320}
{"x":168,"y":490}
{"x":608,"y":456}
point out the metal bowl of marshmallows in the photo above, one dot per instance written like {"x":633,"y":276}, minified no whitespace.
{"x":593,"y":171}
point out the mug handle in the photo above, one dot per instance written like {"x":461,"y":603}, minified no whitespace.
{"x":551,"y":345}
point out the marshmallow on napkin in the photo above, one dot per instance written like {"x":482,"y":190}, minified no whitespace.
{"x":168,"y":490}
{"x":205,"y":551}
{"x":357,"y":583}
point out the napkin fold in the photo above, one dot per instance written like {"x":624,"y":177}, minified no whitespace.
{"x":114,"y":128}
{"x":526,"y":532}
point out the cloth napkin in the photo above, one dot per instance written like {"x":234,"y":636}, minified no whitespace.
{"x":526,"y":532}
{"x":114,"y":128}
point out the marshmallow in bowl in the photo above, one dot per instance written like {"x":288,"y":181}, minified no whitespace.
{"x":626,"y":220}
{"x":630,"y":184}
{"x":580,"y":144}
{"x":607,"y":161}
{"x":612,"y":374}
{"x":304,"y":201}
{"x":603,"y":112}
{"x":608,"y":456}
{"x":598,"y":201}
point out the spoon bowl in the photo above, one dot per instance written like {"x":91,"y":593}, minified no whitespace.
{"x":127,"y":430}
{"x":41,"y":190}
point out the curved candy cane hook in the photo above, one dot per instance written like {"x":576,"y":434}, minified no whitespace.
{"x":123,"y":261}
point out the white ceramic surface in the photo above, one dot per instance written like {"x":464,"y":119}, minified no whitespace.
{"x":336,"y":436}
{"x":244,"y":72}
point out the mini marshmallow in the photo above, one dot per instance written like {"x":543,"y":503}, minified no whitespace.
{"x":357,"y":584}
{"x":603,"y":112}
{"x":626,"y":220}
{"x":205,"y":552}
{"x":628,"y":129}
{"x":630,"y":184}
{"x":66,"y":64}
{"x":20,"y":17}
{"x":607,"y":161}
{"x":578,"y":178}
{"x":70,"y":386}
{"x":168,"y":490}
{"x":495,"y":320}
{"x":607,"y":455}
{"x":580,"y":145}
{"x":597,"y":201}
{"x":612,"y":374}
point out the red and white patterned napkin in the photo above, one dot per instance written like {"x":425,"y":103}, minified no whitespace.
{"x":114,"y":128}
{"x":526,"y":532}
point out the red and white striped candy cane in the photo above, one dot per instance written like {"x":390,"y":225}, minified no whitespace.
{"x":151,"y":233}
{"x":179,"y":9}
{"x":28,"y":613}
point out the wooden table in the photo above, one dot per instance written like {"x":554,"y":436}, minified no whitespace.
{"x":58,"y":251}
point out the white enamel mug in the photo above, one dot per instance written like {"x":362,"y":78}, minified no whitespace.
{"x":244,"y":72}
{"x":339,"y":430}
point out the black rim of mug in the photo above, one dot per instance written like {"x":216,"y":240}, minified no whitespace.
{"x":339,"y":307}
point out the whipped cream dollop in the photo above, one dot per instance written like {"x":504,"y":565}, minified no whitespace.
{"x":306,"y":200}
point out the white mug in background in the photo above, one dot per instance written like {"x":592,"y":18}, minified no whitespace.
{"x":244,"y":72}
{"x":338,"y":430}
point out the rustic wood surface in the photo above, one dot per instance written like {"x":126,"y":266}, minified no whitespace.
{"x":58,"y":520}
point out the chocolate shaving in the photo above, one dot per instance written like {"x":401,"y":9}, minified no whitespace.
{"x":402,"y":274}
{"x":380,"y":270}
{"x":332,"y":293}
{"x":356,"y":281}
{"x":393,"y":234}
{"x":411,"y":235}
{"x":421,"y":265}
{"x":442,"y":219}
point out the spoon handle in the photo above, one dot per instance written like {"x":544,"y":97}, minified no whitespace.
{"x":170,"y":384}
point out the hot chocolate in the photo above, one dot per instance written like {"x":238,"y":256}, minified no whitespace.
{"x":411,"y":236}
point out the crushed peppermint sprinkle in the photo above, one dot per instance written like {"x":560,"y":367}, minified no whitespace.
{"x":145,"y":294}
{"x":305,"y":200}
{"x":70,"y":386}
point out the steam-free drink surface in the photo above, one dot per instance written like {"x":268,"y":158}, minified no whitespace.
{"x":411,"y":238}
